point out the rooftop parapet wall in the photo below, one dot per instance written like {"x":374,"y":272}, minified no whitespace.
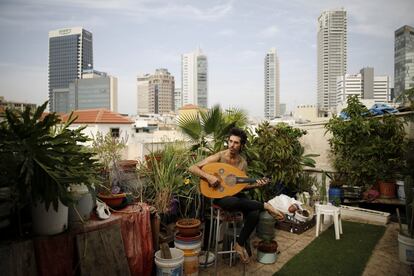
{"x":316,"y":140}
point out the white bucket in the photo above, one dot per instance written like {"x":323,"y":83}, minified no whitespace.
{"x":400,"y":189}
{"x":173,"y":266}
{"x":406,"y":249}
{"x":49,"y":222}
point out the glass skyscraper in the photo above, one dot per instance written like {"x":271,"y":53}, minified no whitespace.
{"x":70,"y":53}
{"x":403,"y":60}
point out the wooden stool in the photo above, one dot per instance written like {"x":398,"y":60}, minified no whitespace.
{"x":329,"y":210}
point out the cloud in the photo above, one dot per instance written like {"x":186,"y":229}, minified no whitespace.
{"x":226,"y":32}
{"x":47,"y":11}
{"x":269,"y":32}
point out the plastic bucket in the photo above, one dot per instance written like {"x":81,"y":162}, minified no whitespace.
{"x":191,"y":252}
{"x":400,"y":191}
{"x":406,"y":249}
{"x":173,"y":266}
{"x":191,"y":262}
{"x":336,"y":196}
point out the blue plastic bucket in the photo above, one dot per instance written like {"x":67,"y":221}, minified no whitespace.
{"x":336,"y":196}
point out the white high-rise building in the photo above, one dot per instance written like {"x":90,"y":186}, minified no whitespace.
{"x":272,"y":85}
{"x":143,"y":94}
{"x":364,"y":85}
{"x":332,"y":56}
{"x":194,"y":78}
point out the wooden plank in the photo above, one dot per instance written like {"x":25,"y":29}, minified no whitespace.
{"x":364,"y":215}
{"x":102,"y":252}
{"x":165,"y":251}
{"x":18,"y":259}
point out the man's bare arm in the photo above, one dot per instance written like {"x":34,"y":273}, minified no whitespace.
{"x":196,"y":168}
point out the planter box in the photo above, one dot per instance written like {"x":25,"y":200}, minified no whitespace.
{"x":364,"y":215}
{"x":297,"y":228}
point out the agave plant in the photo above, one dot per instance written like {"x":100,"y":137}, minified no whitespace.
{"x":207,"y":129}
{"x":41,"y":156}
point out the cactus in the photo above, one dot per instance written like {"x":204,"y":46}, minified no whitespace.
{"x":408,"y":189}
{"x":322,"y":192}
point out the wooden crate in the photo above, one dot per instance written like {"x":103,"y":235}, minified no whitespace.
{"x":297,"y":228}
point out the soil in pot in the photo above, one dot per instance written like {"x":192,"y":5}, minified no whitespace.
{"x":188,"y":227}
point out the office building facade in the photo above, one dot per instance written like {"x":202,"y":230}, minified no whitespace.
{"x":70,"y":52}
{"x":194,"y":78}
{"x":365,"y":85}
{"x":403,"y":59}
{"x":156,"y":92}
{"x":161,"y":92}
{"x":271,"y":85}
{"x":331,"y":56}
{"x":178,"y":99}
{"x":143,"y":94}
{"x":94,"y":90}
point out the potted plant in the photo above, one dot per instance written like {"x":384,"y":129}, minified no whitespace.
{"x":42,"y":157}
{"x":108,"y":150}
{"x":275,"y":152}
{"x":336,"y":193}
{"x":365,"y":148}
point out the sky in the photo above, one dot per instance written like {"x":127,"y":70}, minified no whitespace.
{"x":132,"y":37}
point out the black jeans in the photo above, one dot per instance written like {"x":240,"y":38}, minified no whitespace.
{"x":250,"y":209}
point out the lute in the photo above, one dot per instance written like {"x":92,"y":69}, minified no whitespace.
{"x":231,"y":180}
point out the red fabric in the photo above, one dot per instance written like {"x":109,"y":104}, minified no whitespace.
{"x":56,"y":255}
{"x":137,"y":236}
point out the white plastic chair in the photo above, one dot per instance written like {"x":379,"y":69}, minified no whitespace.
{"x":329,"y":210}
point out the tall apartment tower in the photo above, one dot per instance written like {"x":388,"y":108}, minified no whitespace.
{"x":156,"y":92}
{"x":403,"y":60}
{"x":332,"y":56}
{"x":70,"y":52}
{"x":161,"y":92}
{"x":194,"y":78}
{"x":143,"y":94}
{"x":271,"y":85}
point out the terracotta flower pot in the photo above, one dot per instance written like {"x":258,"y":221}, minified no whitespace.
{"x":387,"y":189}
{"x":112,"y":200}
{"x":188,"y":227}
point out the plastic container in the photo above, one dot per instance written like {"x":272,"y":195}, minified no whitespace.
{"x":266,"y":258}
{"x":266,"y":226}
{"x":336,"y":196}
{"x":84,"y":205}
{"x":406,"y":249}
{"x":171,"y":267}
{"x":400,"y":191}
{"x":191,"y":262}
{"x":49,"y":222}
{"x":202,"y":259}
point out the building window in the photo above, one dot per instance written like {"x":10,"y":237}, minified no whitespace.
{"x":115,"y":132}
